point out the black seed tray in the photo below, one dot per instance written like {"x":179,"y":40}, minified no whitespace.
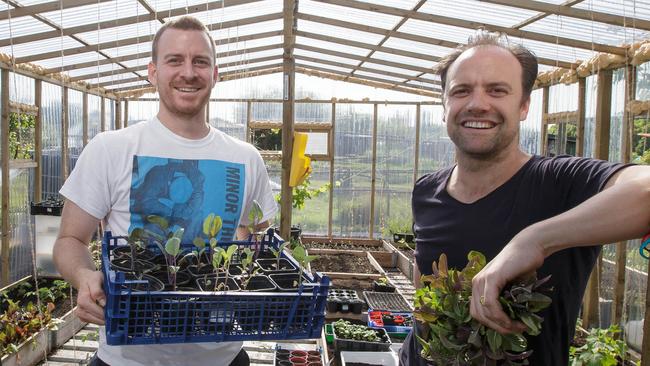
{"x":388,"y":301}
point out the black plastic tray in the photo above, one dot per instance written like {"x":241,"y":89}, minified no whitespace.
{"x":388,"y":301}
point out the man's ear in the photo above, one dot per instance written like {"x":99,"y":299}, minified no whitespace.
{"x":523,"y":110}
{"x":151,"y":73}
{"x":215,"y":75}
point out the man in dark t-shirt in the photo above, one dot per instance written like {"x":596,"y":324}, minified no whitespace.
{"x":525,"y":213}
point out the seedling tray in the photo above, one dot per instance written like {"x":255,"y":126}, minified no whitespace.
{"x":357,"y":345}
{"x":388,"y":301}
{"x":147,"y":317}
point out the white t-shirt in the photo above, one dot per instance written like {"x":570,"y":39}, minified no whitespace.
{"x":122,"y":176}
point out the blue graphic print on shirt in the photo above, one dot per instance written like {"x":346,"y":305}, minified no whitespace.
{"x":185,"y":192}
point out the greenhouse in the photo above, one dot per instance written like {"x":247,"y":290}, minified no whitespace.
{"x":341,"y":105}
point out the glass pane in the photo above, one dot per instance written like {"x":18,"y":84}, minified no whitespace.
{"x":353,"y":141}
{"x":141,"y":111}
{"x":230,"y":118}
{"x":21,"y":223}
{"x":394,"y":167}
{"x":52,"y":134}
{"x":530,"y":129}
{"x":590,"y":115}
{"x":313,"y":216}
{"x":75,"y":127}
{"x":616,"y":121}
{"x":436,"y":149}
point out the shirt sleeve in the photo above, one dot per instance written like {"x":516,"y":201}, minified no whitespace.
{"x":87,"y":185}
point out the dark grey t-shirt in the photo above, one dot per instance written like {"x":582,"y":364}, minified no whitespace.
{"x":542,"y":188}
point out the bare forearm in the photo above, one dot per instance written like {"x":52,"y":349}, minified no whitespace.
{"x":72,"y":259}
{"x":619,"y":213}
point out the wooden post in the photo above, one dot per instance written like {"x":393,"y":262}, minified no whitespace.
{"x":38,"y":140}
{"x":373,"y":172}
{"x":626,"y":157}
{"x":249,"y":115}
{"x":126,"y":113}
{"x":4,"y":152}
{"x":544,"y":148}
{"x":289,"y":85}
{"x":118,"y":114}
{"x":64,"y":134}
{"x":84,"y":118}
{"x":590,"y":316}
{"x":416,"y":158}
{"x":332,"y":151}
{"x":102,"y":114}
{"x":580,"y":127}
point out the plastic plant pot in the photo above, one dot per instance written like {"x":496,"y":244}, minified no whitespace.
{"x":312,"y":359}
{"x":298,"y":361}
{"x":315,"y":363}
{"x":284,"y":363}
{"x":299,"y":353}
{"x":313,"y":354}
{"x":282,"y":354}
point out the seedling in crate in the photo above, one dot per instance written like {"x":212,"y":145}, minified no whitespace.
{"x":135,"y":241}
{"x":300,"y":254}
{"x":254,"y":217}
{"x":171,"y":250}
{"x":223,"y":257}
{"x":211,"y":227}
{"x":246,"y":266}
{"x":278,"y":254}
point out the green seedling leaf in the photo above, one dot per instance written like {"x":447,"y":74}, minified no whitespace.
{"x":207,"y":224}
{"x":173,"y":246}
{"x":216,"y":226}
{"x":179,"y":233}
{"x":255,"y":214}
{"x":199,"y":243}
{"x":159,"y":221}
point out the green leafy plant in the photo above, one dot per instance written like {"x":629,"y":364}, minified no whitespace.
{"x":255,"y":216}
{"x":278,"y":253}
{"x":303,"y":192}
{"x":346,"y":330}
{"x":601,"y":349}
{"x":247,"y":268}
{"x":452,"y":336}
{"x":299,"y":253}
{"x":21,"y":135}
{"x":171,"y":248}
{"x":18,"y":323}
{"x":223,"y":257}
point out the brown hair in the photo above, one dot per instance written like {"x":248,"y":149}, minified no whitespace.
{"x":183,"y":23}
{"x":526,"y":58}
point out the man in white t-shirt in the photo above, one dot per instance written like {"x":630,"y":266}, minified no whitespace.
{"x":175,"y":166}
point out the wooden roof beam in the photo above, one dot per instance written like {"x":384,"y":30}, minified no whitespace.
{"x":574,"y":13}
{"x":349,"y":42}
{"x":386,"y":37}
{"x":141,"y":39}
{"x":412,"y":37}
{"x":363,"y":80}
{"x":367,"y":69}
{"x":372,"y":81}
{"x":361,"y":58}
{"x":433,"y":18}
{"x":46,"y":7}
{"x":123,"y":21}
{"x":540,"y":16}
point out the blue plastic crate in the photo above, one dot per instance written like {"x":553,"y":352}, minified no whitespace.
{"x":390,"y":328}
{"x":146,"y":317}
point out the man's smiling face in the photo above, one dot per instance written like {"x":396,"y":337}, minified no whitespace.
{"x":184,"y":72}
{"x":483,"y":102}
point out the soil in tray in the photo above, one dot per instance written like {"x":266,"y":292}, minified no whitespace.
{"x":342,"y":263}
{"x":347,"y":246}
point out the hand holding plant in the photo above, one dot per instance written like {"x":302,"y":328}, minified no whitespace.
{"x":452,"y":336}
